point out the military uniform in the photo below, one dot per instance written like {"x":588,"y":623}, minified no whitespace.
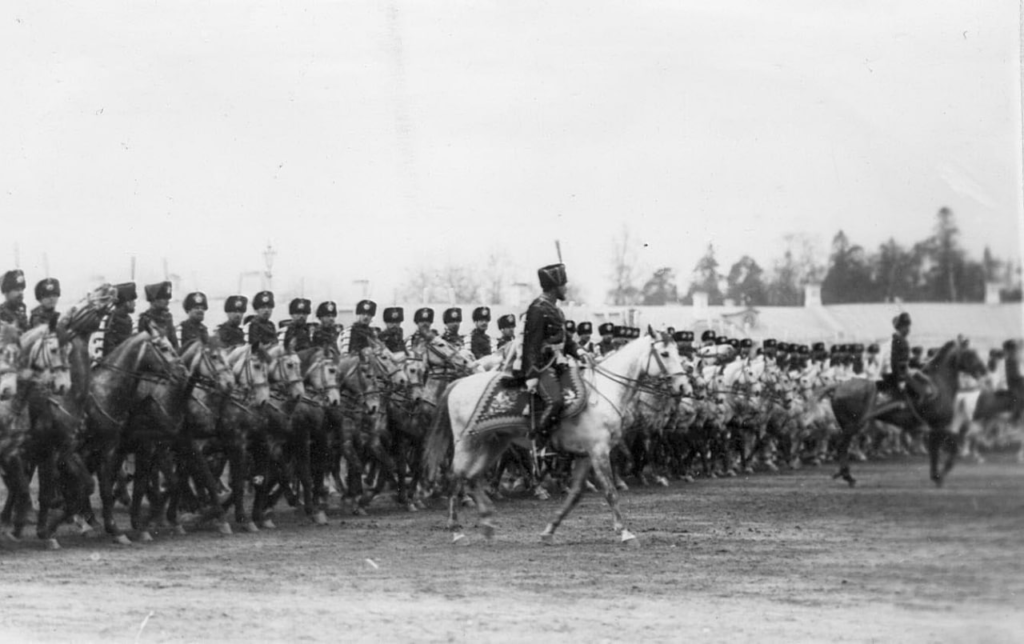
{"x":452,"y":336}
{"x":298,"y":334}
{"x":360,"y":336}
{"x":392,"y":337}
{"x":13,"y":312}
{"x":231,"y":334}
{"x":192,"y":330}
{"x":327,"y":336}
{"x":119,"y":325}
{"x":479,"y":341}
{"x":417,"y":341}
{"x":42,"y":315}
{"x":159,"y":320}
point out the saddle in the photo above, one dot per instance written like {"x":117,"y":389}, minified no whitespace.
{"x":506,"y":404}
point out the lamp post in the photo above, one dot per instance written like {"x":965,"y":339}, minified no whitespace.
{"x":268,"y":260}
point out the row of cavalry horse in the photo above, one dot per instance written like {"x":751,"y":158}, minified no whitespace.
{"x":204,"y":427}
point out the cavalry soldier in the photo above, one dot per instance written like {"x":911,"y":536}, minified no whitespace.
{"x":261,"y":330}
{"x":452,"y":318}
{"x":230,"y":333}
{"x":570,"y":331}
{"x":47,"y":294}
{"x":326,"y":335}
{"x":423,"y":334}
{"x":584,"y":331}
{"x":119,"y":322}
{"x":746,"y":347}
{"x":770,"y":350}
{"x":543,"y":343}
{"x":360,"y":334}
{"x":392,"y":336}
{"x":297,"y":335}
{"x":12,"y":311}
{"x":479,"y":341}
{"x":507,"y":327}
{"x":873,"y":365}
{"x":157,"y":318}
{"x":192,"y":328}
{"x":607,"y":343}
{"x":708,"y":339}
{"x":895,"y":372}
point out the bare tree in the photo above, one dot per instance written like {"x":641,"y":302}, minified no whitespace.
{"x":625,"y":271}
{"x":497,"y":275}
{"x":461,"y":283}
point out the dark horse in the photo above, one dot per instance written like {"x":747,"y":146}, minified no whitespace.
{"x":856,"y":401}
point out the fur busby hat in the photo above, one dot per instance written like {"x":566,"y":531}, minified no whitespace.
{"x":300,"y":306}
{"x":585,"y":328}
{"x":707,"y":336}
{"x":263,"y":300}
{"x":552,"y":276}
{"x":734,"y":343}
{"x":1010,"y":346}
{"x":452,"y":315}
{"x":366,"y":307}
{"x":901,"y":320}
{"x":327,"y":309}
{"x":394,"y":314}
{"x":818,"y":347}
{"x":195,"y":301}
{"x":570,"y":326}
{"x":126,"y":292}
{"x":721,"y":340}
{"x":13,"y":281}
{"x":236,"y":304}
{"x":158,"y":291}
{"x":679,"y":336}
{"x":803,"y":350}
{"x":507,"y":322}
{"x":620,"y":332}
{"x":932,"y":351}
{"x":918,"y":350}
{"x":746,"y":343}
{"x":769,"y":343}
{"x":48,"y":287}
{"x":873,"y":348}
{"x":857,"y":348}
{"x":606,"y":328}
{"x":482,"y":313}
{"x":423,"y":316}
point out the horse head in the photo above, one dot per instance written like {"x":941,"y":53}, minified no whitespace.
{"x":207,"y":363}
{"x":48,"y":359}
{"x":285,"y":370}
{"x":663,"y":361}
{"x":84,"y":318}
{"x":250,"y":373}
{"x":10,"y":353}
{"x":320,"y":367}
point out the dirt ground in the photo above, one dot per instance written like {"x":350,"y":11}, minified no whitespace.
{"x":794,"y":557}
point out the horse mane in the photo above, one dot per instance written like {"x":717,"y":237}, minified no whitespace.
{"x":191,"y":350}
{"x":30,"y":337}
{"x":629,"y":353}
{"x":129,"y":345}
{"x":238,"y":353}
{"x":8,"y":333}
{"x":939,"y":359}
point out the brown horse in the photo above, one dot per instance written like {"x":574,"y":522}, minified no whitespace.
{"x":856,"y":401}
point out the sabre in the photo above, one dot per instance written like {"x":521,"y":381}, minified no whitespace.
{"x":558,"y":249}
{"x":132,"y":271}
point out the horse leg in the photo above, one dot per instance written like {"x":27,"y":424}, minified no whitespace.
{"x":305,"y":475}
{"x":843,"y":455}
{"x":354,"y":464}
{"x":949,"y":441}
{"x":143,"y":475}
{"x":484,"y":506}
{"x":580,"y":470}
{"x":454,"y":501}
{"x":47,"y":496}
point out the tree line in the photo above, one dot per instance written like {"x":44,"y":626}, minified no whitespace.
{"x":935,"y":269}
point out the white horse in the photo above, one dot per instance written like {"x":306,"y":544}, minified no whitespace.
{"x":610,"y":388}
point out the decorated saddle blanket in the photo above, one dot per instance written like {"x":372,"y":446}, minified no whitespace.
{"x":505,"y":403}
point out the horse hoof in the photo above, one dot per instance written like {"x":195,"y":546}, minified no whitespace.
{"x":411,"y":507}
{"x":542,"y":494}
{"x":458,"y":536}
{"x":688,"y":479}
{"x":320,"y":518}
{"x":51,"y":544}
{"x":122,"y":540}
{"x":629,"y":539}
{"x":621,"y":486}
{"x":547,"y":538}
{"x":467,"y":502}
{"x":179,"y":530}
{"x":89,"y":532}
{"x":852,"y":481}
{"x":420,"y":505}
{"x":487,"y":530}
{"x":662,"y":481}
{"x":145,"y":536}
{"x":268,"y":524}
{"x":224,"y":528}
{"x":359,"y":511}
{"x":748,"y":470}
{"x":250,"y":527}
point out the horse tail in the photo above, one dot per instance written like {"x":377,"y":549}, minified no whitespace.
{"x":438,"y":442}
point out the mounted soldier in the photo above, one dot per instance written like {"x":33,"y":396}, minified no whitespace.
{"x":894,"y":372}
{"x":584,"y":331}
{"x":422,"y":318}
{"x":326,"y":335}
{"x":545,"y":346}
{"x":607,"y":333}
{"x":298,"y":335}
{"x":507,"y":328}
{"x":230,"y":333}
{"x":12,"y":311}
{"x":192,"y":328}
{"x":119,"y":323}
{"x":360,"y":333}
{"x":47,"y":294}
{"x":261,"y":330}
{"x":157,"y":318}
{"x":452,"y":319}
{"x":392,"y":336}
{"x":479,"y":341}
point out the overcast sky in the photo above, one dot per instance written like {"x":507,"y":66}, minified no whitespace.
{"x":364,"y":138}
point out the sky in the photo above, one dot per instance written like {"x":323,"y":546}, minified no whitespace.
{"x":366,"y":140}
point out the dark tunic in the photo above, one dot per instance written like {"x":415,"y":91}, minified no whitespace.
{"x":393,"y":339}
{"x":453,"y":338}
{"x":262,"y":332}
{"x":231,"y":335}
{"x":154,"y":320}
{"x":119,"y":328}
{"x":40,"y":315}
{"x":545,"y":326}
{"x":606,"y":346}
{"x":900,"y":355}
{"x":417,"y":341}
{"x":327,"y":336}
{"x":479,"y":343}
{"x":192,"y":330}
{"x":502,"y":341}
{"x":360,"y":335}
{"x":14,"y":314}
{"x":298,"y":336}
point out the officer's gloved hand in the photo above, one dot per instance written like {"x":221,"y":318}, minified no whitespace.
{"x":531,"y":385}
